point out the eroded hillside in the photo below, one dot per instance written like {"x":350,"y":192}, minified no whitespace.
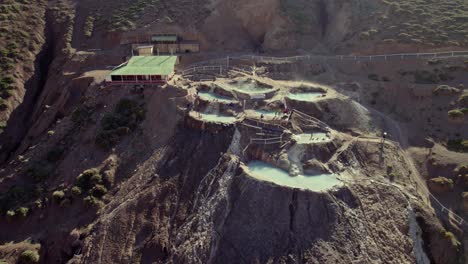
{"x":211,"y":172}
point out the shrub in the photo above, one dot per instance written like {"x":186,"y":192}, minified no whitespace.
{"x":455,"y":114}
{"x":443,"y":182}
{"x":81,"y":115}
{"x":3,"y":105}
{"x":29,"y":256}
{"x":463,"y":100}
{"x":452,"y":238}
{"x":463,"y":169}
{"x":445,"y":90}
{"x":88,"y":179}
{"x":90,"y":201}
{"x":6,"y":94}
{"x":89,"y":26}
{"x":460,"y":145}
{"x":58,"y":196}
{"x":40,"y":170}
{"x":22,"y":211}
{"x":434,"y":61}
{"x":425,"y":77}
{"x":76,"y":190}
{"x":127,"y":114}
{"x":2,"y":126}
{"x":99,"y":191}
{"x":465,"y":196}
{"x":10,"y":214}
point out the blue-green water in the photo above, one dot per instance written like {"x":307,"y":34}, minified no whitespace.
{"x":309,"y":138}
{"x":214,"y":118}
{"x":266,"y":172}
{"x":307,"y":97}
{"x":249,"y":87}
{"x":211,"y":97}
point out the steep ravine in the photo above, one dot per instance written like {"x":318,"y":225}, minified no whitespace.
{"x":20,"y":120}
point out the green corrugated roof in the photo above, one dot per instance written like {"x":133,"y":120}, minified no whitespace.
{"x":148,"y":65}
{"x":168,"y":38}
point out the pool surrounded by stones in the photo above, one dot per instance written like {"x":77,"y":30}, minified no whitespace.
{"x":212,"y":97}
{"x":267,"y":114}
{"x":310,"y":138}
{"x":215,"y":118}
{"x":306,"y":96}
{"x":317,"y":183}
{"x":249,"y":87}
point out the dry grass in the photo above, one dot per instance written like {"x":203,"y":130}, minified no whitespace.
{"x":430,"y":22}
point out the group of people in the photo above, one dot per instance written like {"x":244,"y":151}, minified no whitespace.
{"x":282,"y":114}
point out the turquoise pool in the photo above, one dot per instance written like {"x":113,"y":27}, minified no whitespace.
{"x":266,"y":172}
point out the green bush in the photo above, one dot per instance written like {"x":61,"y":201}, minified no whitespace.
{"x":10,"y":214}
{"x":81,"y":115}
{"x":463,"y":100}
{"x":76,"y":191}
{"x":91,"y":201}
{"x":89,"y":26}
{"x":3,"y":105}
{"x":434,"y":61}
{"x":455,"y":114}
{"x":459,"y":145}
{"x":445,"y":90}
{"x":2,"y":126}
{"x":58,"y":196}
{"x":452,"y":238}
{"x":40,"y":171}
{"x":29,"y":256}
{"x":88,"y":179}
{"x":14,"y":197}
{"x":98,"y":191}
{"x":425,"y":77}
{"x":127,"y":114}
{"x":22,"y":212}
{"x":442,"y":181}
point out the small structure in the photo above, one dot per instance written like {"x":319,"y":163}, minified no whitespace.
{"x":144,"y":69}
{"x":189,"y":46}
{"x":173,"y":44}
{"x":144,"y":50}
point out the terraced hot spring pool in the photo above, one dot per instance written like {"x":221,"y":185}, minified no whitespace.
{"x":317,"y":183}
{"x":258,"y":113}
{"x":249,"y":87}
{"x":309,"y":138}
{"x":211,"y":97}
{"x":214,"y":118}
{"x":307,"y":97}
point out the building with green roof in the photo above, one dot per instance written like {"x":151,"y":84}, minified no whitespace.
{"x":145,"y":69}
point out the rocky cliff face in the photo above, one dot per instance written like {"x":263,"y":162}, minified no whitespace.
{"x":99,"y":174}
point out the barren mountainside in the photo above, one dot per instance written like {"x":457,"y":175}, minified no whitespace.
{"x":280,"y":138}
